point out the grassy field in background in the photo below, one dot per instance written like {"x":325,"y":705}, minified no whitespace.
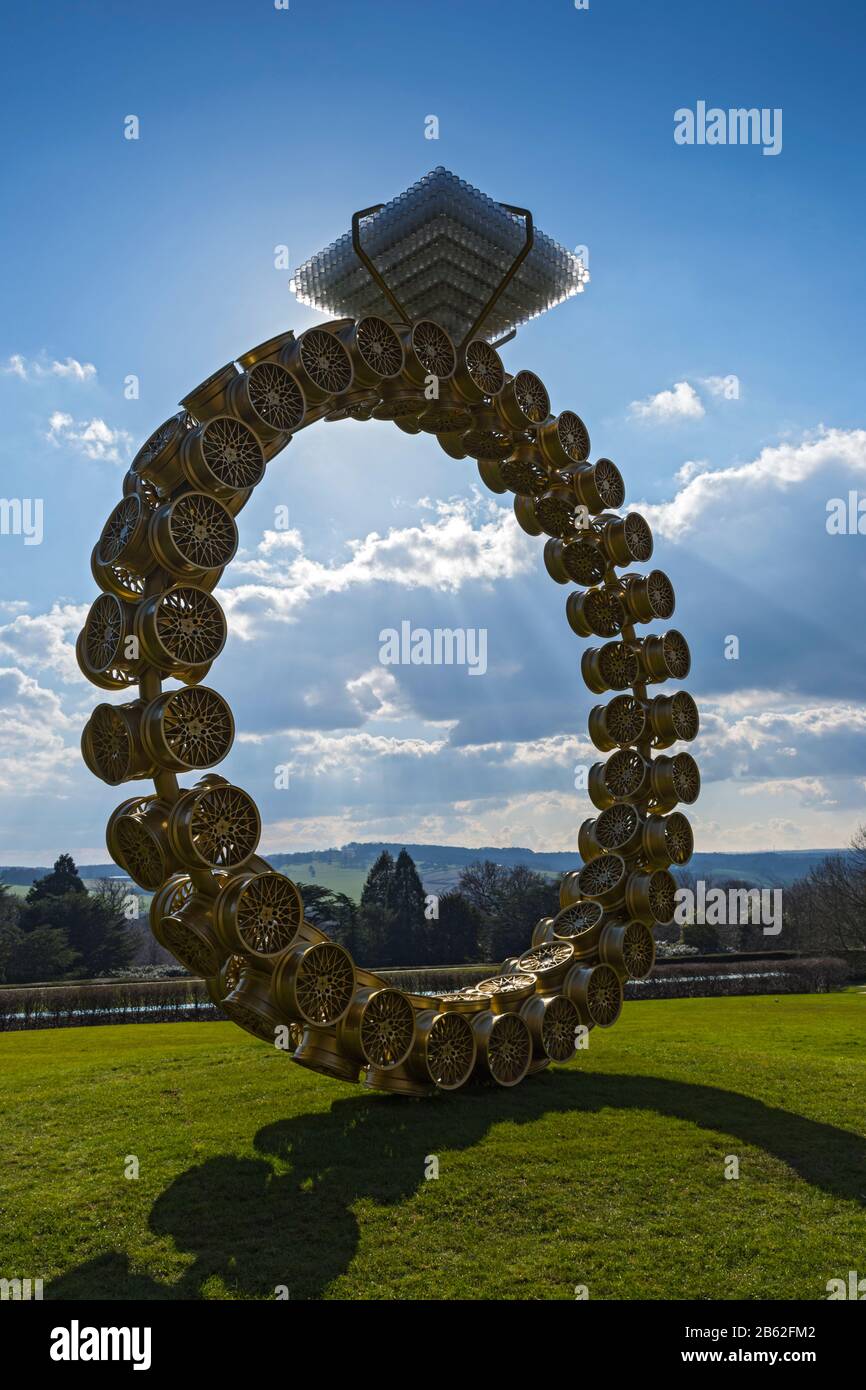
{"x":337,"y":877}
{"x":20,"y":890}
{"x":609,"y":1172}
{"x":333,"y":876}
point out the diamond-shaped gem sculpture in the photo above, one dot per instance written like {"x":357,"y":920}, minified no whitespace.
{"x":442,"y":247}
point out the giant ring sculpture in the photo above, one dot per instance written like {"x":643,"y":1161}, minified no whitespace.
{"x":218,"y":906}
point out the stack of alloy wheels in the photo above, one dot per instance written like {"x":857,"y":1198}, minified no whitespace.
{"x":218,"y":906}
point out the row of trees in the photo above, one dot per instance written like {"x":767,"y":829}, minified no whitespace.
{"x":746,"y":934}
{"x":491,"y":913}
{"x":826,"y":911}
{"x":61,"y":931}
{"x":488,"y":916}
{"x":823,"y":913}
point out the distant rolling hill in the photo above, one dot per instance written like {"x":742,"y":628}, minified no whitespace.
{"x":344,"y":870}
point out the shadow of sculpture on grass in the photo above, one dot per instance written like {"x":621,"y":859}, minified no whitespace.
{"x":286,"y":1219}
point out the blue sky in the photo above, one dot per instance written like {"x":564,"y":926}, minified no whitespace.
{"x":155,"y":258}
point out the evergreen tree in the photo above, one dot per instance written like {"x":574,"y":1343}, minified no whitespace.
{"x":376,"y":915}
{"x":41,"y":954}
{"x":10,"y":941}
{"x":408,"y":943}
{"x":94,"y":927}
{"x":107,"y":942}
{"x":379,"y":885}
{"x":9,"y":907}
{"x":63,"y":879}
{"x":10,"y":933}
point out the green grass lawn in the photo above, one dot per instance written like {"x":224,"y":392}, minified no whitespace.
{"x":609,"y":1172}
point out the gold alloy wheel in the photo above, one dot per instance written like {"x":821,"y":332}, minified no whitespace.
{"x":218,"y":905}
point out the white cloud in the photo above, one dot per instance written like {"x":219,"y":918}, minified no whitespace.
{"x":690,"y":469}
{"x":815,"y":721}
{"x":811,"y":791}
{"x":33,"y":752}
{"x":93,"y":438}
{"x":45,"y":641}
{"x":377,"y":695}
{"x":778,"y":467}
{"x":38,"y":368}
{"x":441,"y":555}
{"x":352,"y":752}
{"x":753,"y":740}
{"x":741,"y":837}
{"x":16,"y":366}
{"x":726,"y":387}
{"x":73,"y":369}
{"x":539,"y":821}
{"x":273,"y":542}
{"x":554,"y":750}
{"x":682,"y":402}
{"x":316,"y":754}
{"x":764,"y":718}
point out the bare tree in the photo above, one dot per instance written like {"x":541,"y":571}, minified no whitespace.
{"x":826,"y":910}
